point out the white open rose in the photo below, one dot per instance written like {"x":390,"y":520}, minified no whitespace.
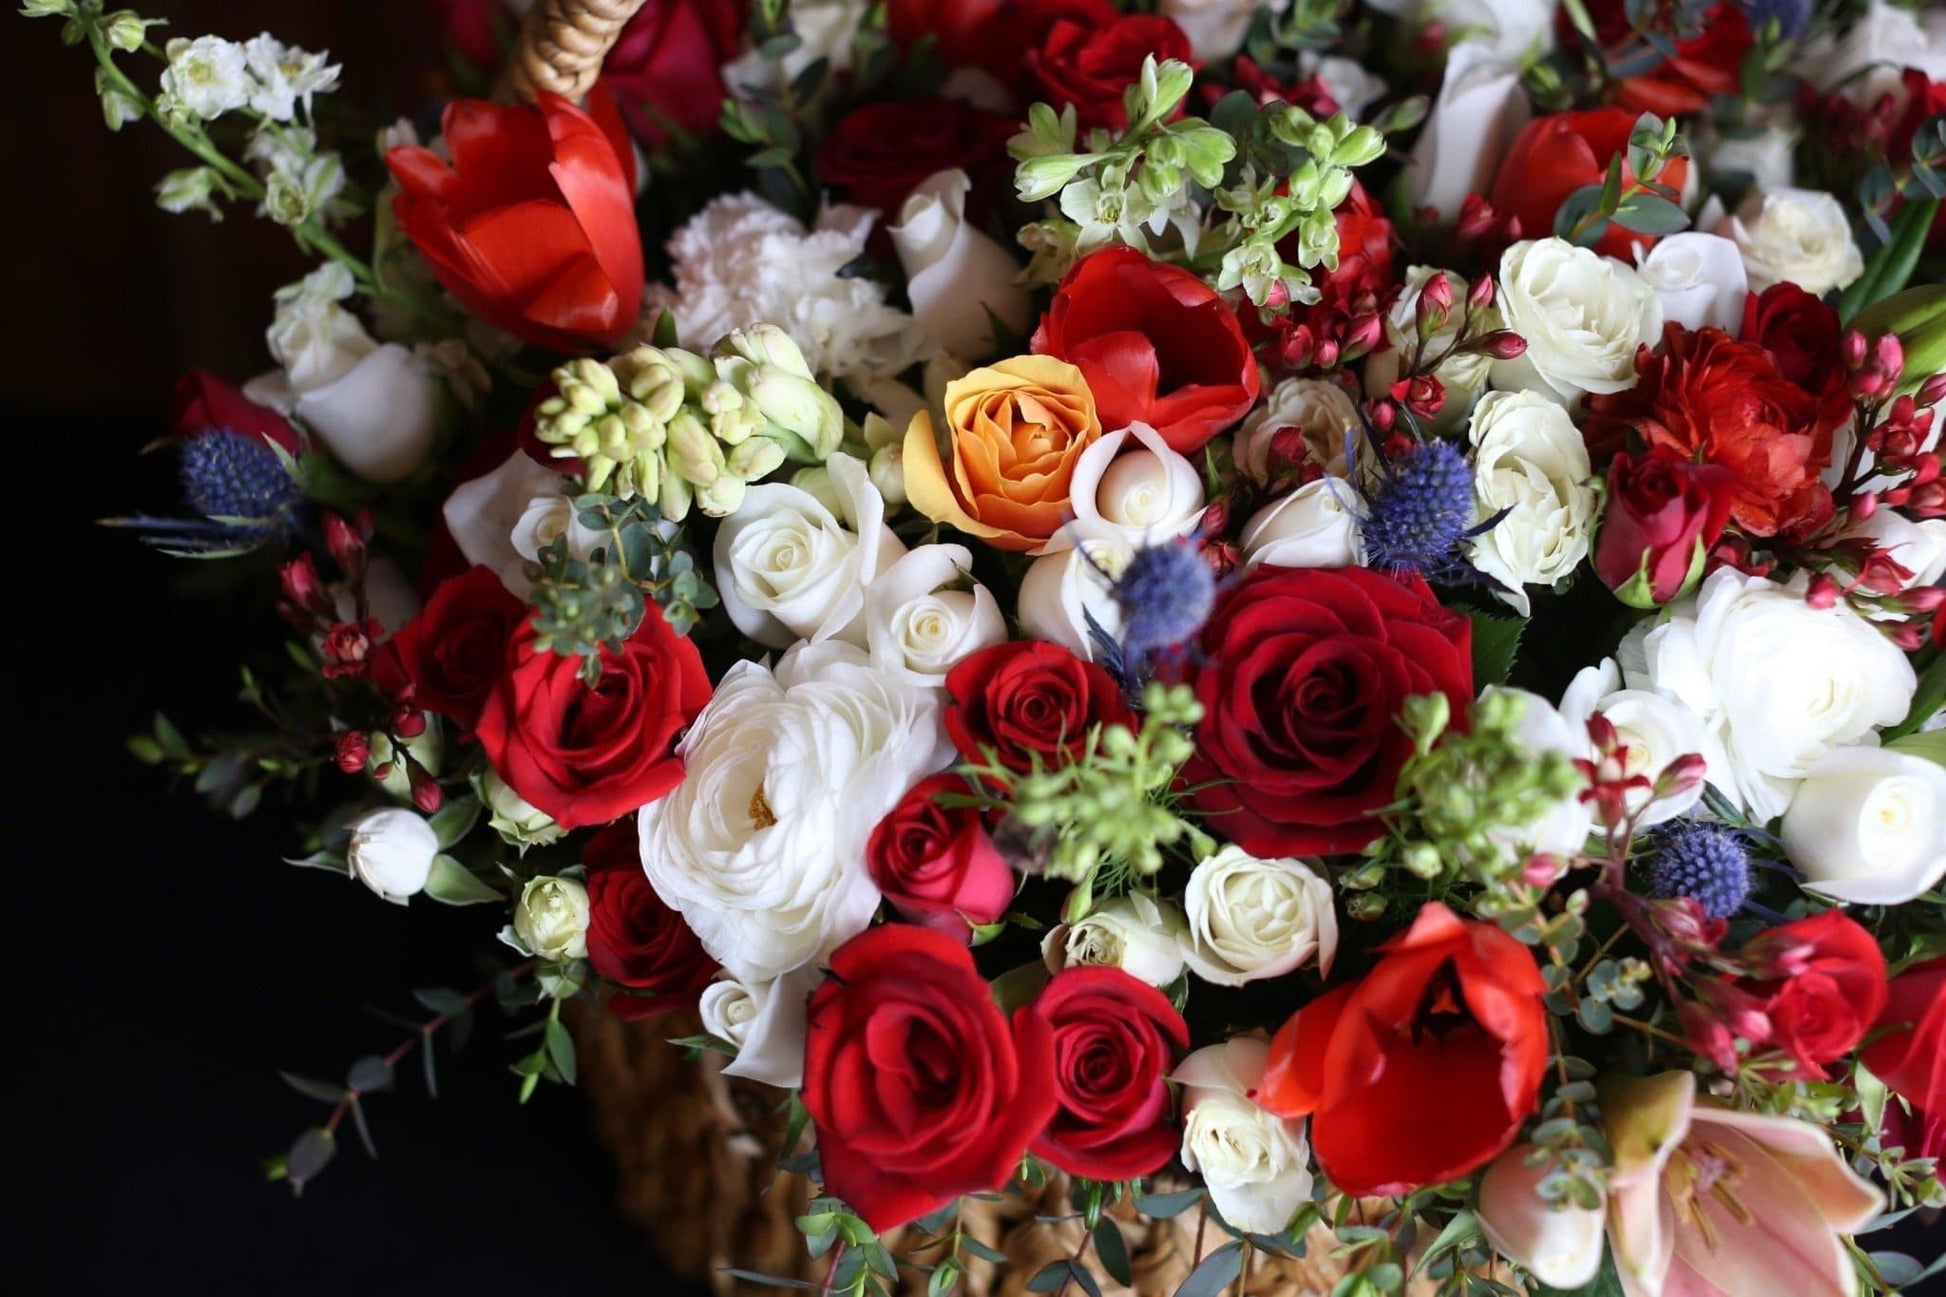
{"x":1480,"y":108}
{"x":1256,"y":1164}
{"x":766,"y":1023}
{"x":1654,"y":727}
{"x":791,"y":565}
{"x":485,"y":514}
{"x":1868,"y":826}
{"x":1323,"y":414}
{"x":1582,"y":314}
{"x":391,"y":851}
{"x":1699,"y":279}
{"x":1147,"y":491}
{"x":1797,"y":236}
{"x":1250,"y":919}
{"x":955,"y":274}
{"x":1530,"y":467}
{"x":925,"y":613}
{"x":1061,"y":591}
{"x":762,"y":846}
{"x":552,"y":917}
{"x":1463,"y":374}
{"x":548,"y":518}
{"x":1133,"y":932}
{"x":1314,"y":526}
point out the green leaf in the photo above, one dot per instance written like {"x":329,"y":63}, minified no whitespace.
{"x":322,"y":1091}
{"x":560,"y":1049}
{"x":1892,"y":265}
{"x":1647,"y":213}
{"x":145,"y":749}
{"x":455,"y":820}
{"x":1496,"y":640}
{"x":1926,"y":702}
{"x":170,"y":737}
{"x":1051,"y":1277}
{"x":944,"y":1279}
{"x":369,"y":1073}
{"x":769,"y":1280}
{"x":311,"y":1153}
{"x":1165,"y":1206}
{"x":440,"y":999}
{"x":451,"y":883}
{"x":1216,"y":1272}
{"x":1085,"y":1277}
{"x":1462,"y":1229}
{"x":1113,"y":1250}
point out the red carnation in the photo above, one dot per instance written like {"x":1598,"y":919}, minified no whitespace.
{"x":936,"y":865}
{"x":1029,"y":699}
{"x":634,"y":939}
{"x":453,"y":653}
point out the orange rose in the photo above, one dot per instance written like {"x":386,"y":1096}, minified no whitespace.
{"x":1013,"y":433}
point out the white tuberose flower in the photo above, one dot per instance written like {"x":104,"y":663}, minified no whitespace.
{"x":391,"y":851}
{"x":954,"y":273}
{"x":286,"y":75}
{"x":1531,"y":468}
{"x":1799,"y":236}
{"x":1582,"y":314}
{"x":762,"y":846}
{"x":920,"y":623}
{"x":1250,"y":919}
{"x":1868,"y":826}
{"x":1255,"y":1163}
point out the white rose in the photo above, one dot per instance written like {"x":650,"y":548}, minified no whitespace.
{"x":766,"y":1023}
{"x":762,"y":846}
{"x":1148,"y":492}
{"x":1699,"y":279}
{"x":1865,"y":63}
{"x":789,"y":567}
{"x":1061,"y":591}
{"x":380,"y":418}
{"x":825,"y":30}
{"x":1654,"y":727}
{"x":1133,"y":932}
{"x":1462,"y":374}
{"x":1314,"y":526}
{"x":209,"y":76}
{"x":546,"y":519}
{"x":391,"y":851}
{"x":920,"y":623}
{"x":1518,"y":30}
{"x":1559,"y":1244}
{"x":552,"y":918}
{"x":954,"y":273}
{"x":485,"y":514}
{"x":1764,"y":151}
{"x":1348,"y":81}
{"x":1582,"y":314}
{"x":1250,"y":919}
{"x":1799,"y":236}
{"x":1256,"y":1164}
{"x":1480,"y":108}
{"x":1530,"y":465}
{"x":1215,"y":27}
{"x":1323,"y":413}
{"x":1868,"y":826}
{"x":517,"y":821}
{"x":1563,"y":829}
{"x":1919,"y":547}
{"x":1775,"y":681}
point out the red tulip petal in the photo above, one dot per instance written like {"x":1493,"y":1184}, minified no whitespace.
{"x":599,"y":188}
{"x":1293,"y":1082}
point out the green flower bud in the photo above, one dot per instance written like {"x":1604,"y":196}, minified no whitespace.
{"x":1364,"y":878}
{"x":816,"y":482}
{"x":1039,"y":179}
{"x":519,"y":823}
{"x":118,"y":107}
{"x":285,"y":201}
{"x":1421,"y":860}
{"x":722,"y":497}
{"x":46,"y":8}
{"x":803,"y":415}
{"x":762,"y":344}
{"x":693,"y":453}
{"x":192,"y":189}
{"x":125,"y":31}
{"x":755,"y":459}
{"x":1366,"y":907}
{"x":887,"y":470}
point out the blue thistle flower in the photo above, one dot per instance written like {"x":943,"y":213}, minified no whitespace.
{"x":1706,"y":862}
{"x":229,"y":475}
{"x":1165,"y":595}
{"x":1419,"y":515}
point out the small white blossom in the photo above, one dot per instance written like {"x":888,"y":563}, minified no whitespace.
{"x":207,"y":76}
{"x":286,"y":76}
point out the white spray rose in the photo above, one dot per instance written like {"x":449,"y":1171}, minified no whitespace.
{"x":791,"y":566}
{"x":762,"y":846}
{"x":825,"y":30}
{"x":1147,"y":492}
{"x":1582,"y":314}
{"x":1255,"y":1163}
{"x":1480,"y":109}
{"x":1133,"y":932}
{"x":1868,"y":826}
{"x":1323,"y":413}
{"x":920,"y":622}
{"x":1764,"y":150}
{"x":548,"y":518}
{"x":485,"y":516}
{"x":1699,"y":279}
{"x":1250,"y":919}
{"x":1798,"y":236}
{"x":517,"y":821}
{"x":1215,"y":27}
{"x":954,"y":273}
{"x":1314,"y":526}
{"x":1462,"y":374}
{"x":1061,"y":591}
{"x":766,"y":1023}
{"x":1531,"y":467}
{"x":391,"y":851}
{"x":1561,"y":1245}
{"x":1654,"y":727}
{"x":552,"y":917}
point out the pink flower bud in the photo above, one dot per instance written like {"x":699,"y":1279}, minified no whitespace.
{"x":426,"y":792}
{"x":1503,"y":344}
{"x":1542,"y":871}
{"x":1863,"y":506}
{"x":1682,"y":775}
{"x":1854,"y":347}
{"x":1479,"y":295}
{"x":354,"y":750}
{"x":1933,"y":390}
{"x":1824,"y":591}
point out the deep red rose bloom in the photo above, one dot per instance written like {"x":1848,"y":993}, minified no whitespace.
{"x":1085,"y":53}
{"x":475,"y":29}
{"x":1823,"y":979}
{"x":921,"y":1089}
{"x":1804,"y":339}
{"x":532,"y":224}
{"x":1156,"y":344}
{"x":455,"y":651}
{"x":1302,"y":676}
{"x":1705,"y":65}
{"x":936,"y":864}
{"x":968,"y":32}
{"x":1715,"y":400}
{"x":1555,"y":155}
{"x":634,"y":939}
{"x":1425,"y":1069}
{"x":665,"y":68}
{"x":1910,"y":1054}
{"x":1029,"y":698}
{"x":1663,"y":512}
{"x":876,"y":154}
{"x":1116,"y":1039}
{"x":205,"y":403}
{"x":590,"y":755}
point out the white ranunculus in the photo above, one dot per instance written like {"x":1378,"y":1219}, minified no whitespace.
{"x":1133,"y":932}
{"x":1463,"y":374}
{"x":1256,"y":1164}
{"x":954,"y":273}
{"x":1699,"y":279}
{"x":1775,"y":681}
{"x":391,"y":851}
{"x":1920,"y":547}
{"x":1868,"y":826}
{"x":1480,"y":108}
{"x":1654,"y":727}
{"x":552,"y":917}
{"x":790,"y":567}
{"x":1061,"y":591}
{"x":1582,"y":314}
{"x":485,"y":513}
{"x":1529,"y":461}
{"x":1215,"y":27}
{"x":209,"y":76}
{"x":925,"y":614}
{"x":1314,"y":526}
{"x":1323,"y":413}
{"x":762,"y":846}
{"x":548,"y":518}
{"x":1798,"y":236}
{"x":766,"y":1023}
{"x":1563,"y":830}
{"x":1764,"y":150}
{"x":1147,"y":492}
{"x":1864,"y":64}
{"x":380,"y":418}
{"x":1559,"y":1244}
{"x":1250,"y":919}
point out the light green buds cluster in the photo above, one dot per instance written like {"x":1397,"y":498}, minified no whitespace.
{"x":764,"y":366}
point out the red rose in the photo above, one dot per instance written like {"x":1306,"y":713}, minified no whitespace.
{"x":205,"y":403}
{"x":1311,"y":94}
{"x":1704,"y":65}
{"x":1116,"y":1039}
{"x":1028,"y":699}
{"x":1424,"y":1070}
{"x":936,"y":864}
{"x":454,"y":652}
{"x":476,"y":29}
{"x":968,"y":32}
{"x":665,"y":66}
{"x":1086,"y":54}
{"x":588,"y":755}
{"x":1156,"y":344}
{"x":1303,"y":674}
{"x":921,"y":1089}
{"x":1663,"y":514}
{"x":532,"y":224}
{"x":1713,"y":399}
{"x":1823,"y":983}
{"x":1909,"y":1055}
{"x":633,"y":938}
{"x":1804,"y":338}
{"x":877,"y":154}
{"x":1555,"y":155}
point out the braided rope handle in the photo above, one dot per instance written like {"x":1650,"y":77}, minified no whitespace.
{"x":562,"y":44}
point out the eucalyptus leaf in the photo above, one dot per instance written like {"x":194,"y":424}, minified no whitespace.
{"x":1214,"y":1273}
{"x":1113,"y":1250}
{"x":322,"y":1091}
{"x":311,"y":1153}
{"x":369,"y":1073}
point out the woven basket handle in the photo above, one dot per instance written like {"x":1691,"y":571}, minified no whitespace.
{"x":562,"y":44}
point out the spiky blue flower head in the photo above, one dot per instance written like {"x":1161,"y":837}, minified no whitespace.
{"x":1706,"y":862}
{"x":1421,"y":512}
{"x":1165,"y":594}
{"x":237,"y":475}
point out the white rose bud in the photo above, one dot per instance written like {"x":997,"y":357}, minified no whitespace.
{"x":1561,"y":1246}
{"x":1314,"y":526}
{"x":1582,"y":314}
{"x":1256,"y":1164}
{"x":380,"y":418}
{"x":552,"y":918}
{"x":1215,"y":28}
{"x":1250,"y":919}
{"x":1323,"y":413}
{"x":1530,"y":466}
{"x":1868,"y":826}
{"x":765,"y":1021}
{"x":1148,"y":492}
{"x":1061,"y":591}
{"x":1800,"y":236}
{"x":918,"y":621}
{"x":1699,"y":279}
{"x":514,"y":818}
{"x":1133,"y":932}
{"x":955,"y":274}
{"x":391,"y":851}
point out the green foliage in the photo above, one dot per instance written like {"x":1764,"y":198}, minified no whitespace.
{"x":1631,"y":197}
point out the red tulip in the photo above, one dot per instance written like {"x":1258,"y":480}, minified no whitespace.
{"x":532,"y":224}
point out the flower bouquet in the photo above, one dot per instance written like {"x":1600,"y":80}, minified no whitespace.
{"x":1181,"y":644}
